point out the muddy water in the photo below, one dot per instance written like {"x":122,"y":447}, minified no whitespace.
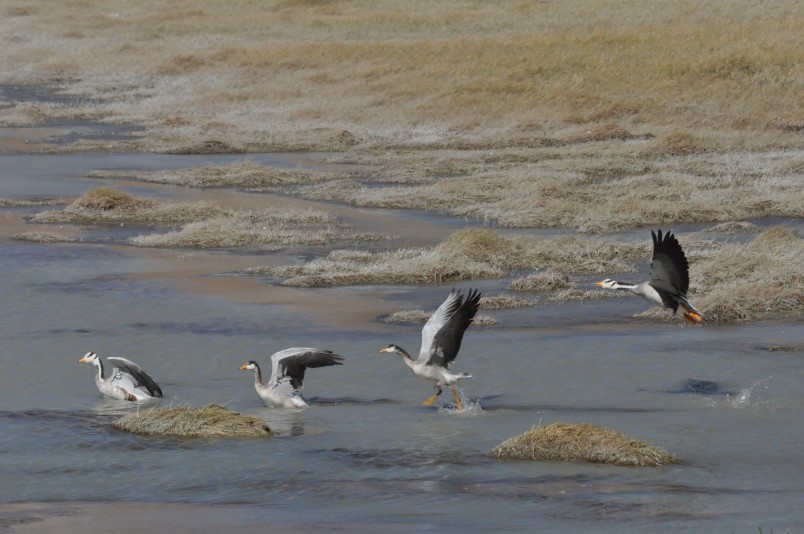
{"x":366,"y":455}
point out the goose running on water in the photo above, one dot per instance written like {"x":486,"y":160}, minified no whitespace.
{"x":127,"y":380}
{"x":287,"y":375}
{"x":669,"y":278}
{"x":441,"y":341}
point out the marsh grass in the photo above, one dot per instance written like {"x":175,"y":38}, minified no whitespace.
{"x":105,"y":205}
{"x":331,"y":75}
{"x":734,"y":227}
{"x":243,"y":174}
{"x":421,"y":317}
{"x":203,"y":225}
{"x":547,"y":280}
{"x":762,"y":277}
{"x":594,"y":190}
{"x":211,"y":421}
{"x":33,"y":202}
{"x":42,"y":237}
{"x":583,"y":442}
{"x":495,"y":302}
{"x":267,"y":230}
{"x":499,"y":302}
{"x":563,"y":115}
{"x":469,"y":254}
{"x":729,"y":281}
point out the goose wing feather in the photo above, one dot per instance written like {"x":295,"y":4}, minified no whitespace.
{"x":669,"y":270}
{"x":128,"y":375}
{"x":288,"y":366}
{"x":443,"y":332}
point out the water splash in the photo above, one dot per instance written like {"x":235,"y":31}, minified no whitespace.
{"x":470,"y":406}
{"x":750,"y":397}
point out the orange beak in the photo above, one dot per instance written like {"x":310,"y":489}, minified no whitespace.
{"x":599,"y":284}
{"x":244,"y":367}
{"x":83,"y":359}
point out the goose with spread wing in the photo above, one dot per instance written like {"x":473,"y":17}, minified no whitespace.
{"x":669,"y":278}
{"x":287,"y":375}
{"x":441,"y":341}
{"x":127,"y":380}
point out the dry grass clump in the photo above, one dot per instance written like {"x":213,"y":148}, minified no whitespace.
{"x":40,"y":237}
{"x":581,"y":442}
{"x":105,"y":205}
{"x":750,"y":280}
{"x":108,"y":199}
{"x":212,"y":421}
{"x":469,"y":254}
{"x":246,"y":174}
{"x":564,"y":295}
{"x":266,"y":230}
{"x":421,"y":317}
{"x":549,"y":279}
{"x":681,"y":144}
{"x":734,"y":227}
{"x":33,"y":202}
{"x":499,"y":302}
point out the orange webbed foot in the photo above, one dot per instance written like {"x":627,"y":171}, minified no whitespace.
{"x":693,"y":317}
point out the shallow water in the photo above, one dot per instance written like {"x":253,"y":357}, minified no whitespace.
{"x":366,"y":453}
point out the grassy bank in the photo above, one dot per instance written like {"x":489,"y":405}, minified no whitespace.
{"x":211,"y":76}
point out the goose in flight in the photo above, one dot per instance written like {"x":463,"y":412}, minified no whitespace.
{"x":127,"y":380}
{"x":287,"y":375}
{"x":441,"y":340}
{"x":669,"y":278}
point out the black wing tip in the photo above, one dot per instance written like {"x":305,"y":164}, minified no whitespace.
{"x":473,"y":295}
{"x":667,"y":244}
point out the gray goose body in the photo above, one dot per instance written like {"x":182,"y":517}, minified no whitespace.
{"x":127,"y":381}
{"x":669,"y":278}
{"x":286,"y":383}
{"x":441,"y":340}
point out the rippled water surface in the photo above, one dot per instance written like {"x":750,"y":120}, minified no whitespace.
{"x":726,"y":400}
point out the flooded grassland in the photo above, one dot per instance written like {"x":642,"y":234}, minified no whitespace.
{"x":252,"y":190}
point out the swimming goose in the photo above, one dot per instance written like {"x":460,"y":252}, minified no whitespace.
{"x":669,"y":278}
{"x":441,"y":340}
{"x":287,"y":374}
{"x":127,"y":381}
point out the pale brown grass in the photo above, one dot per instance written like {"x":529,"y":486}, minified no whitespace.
{"x":244,"y":174}
{"x":547,"y":280}
{"x":33,"y":202}
{"x":592,"y":189}
{"x":582,"y":442}
{"x":421,"y":316}
{"x":585,"y":115}
{"x":499,"y":302}
{"x":296,"y":75}
{"x":211,"y":421}
{"x":203,"y":225}
{"x":746,"y":281}
{"x":106,"y":205}
{"x":465,"y":255}
{"x":270,"y":230}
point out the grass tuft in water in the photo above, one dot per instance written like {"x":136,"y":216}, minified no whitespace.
{"x":212,"y":421}
{"x":581,"y":442}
